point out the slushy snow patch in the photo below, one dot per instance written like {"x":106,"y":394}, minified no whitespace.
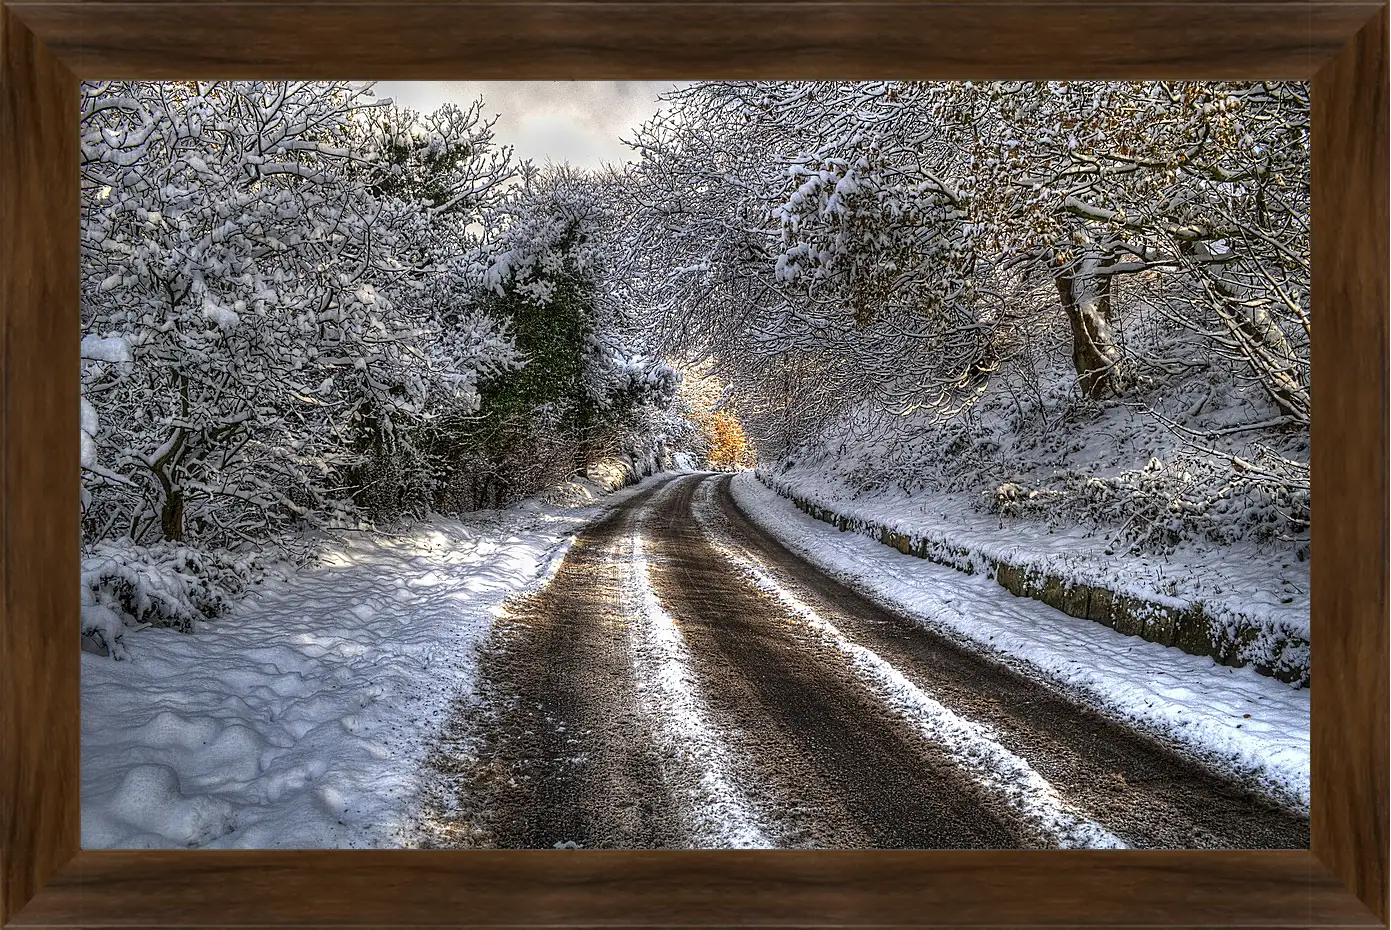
{"x":670,"y":696}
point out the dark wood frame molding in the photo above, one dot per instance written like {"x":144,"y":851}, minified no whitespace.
{"x":46,"y":46}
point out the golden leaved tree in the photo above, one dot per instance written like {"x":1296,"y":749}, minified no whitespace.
{"x":707,"y":403}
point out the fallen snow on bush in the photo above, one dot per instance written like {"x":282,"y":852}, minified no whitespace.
{"x":298,"y":718}
{"x":126,"y":586}
{"x":1234,"y":720}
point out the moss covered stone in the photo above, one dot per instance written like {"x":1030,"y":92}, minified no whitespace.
{"x":1075,"y":599}
{"x":1099,"y":606}
{"x":1128,"y":614}
{"x":1010,"y":578}
{"x":1193,"y":632}
{"x":1159,"y":626}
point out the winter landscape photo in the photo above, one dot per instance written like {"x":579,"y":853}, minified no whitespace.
{"x":717,"y":464}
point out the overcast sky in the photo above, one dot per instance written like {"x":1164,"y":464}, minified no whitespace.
{"x":576,"y":121}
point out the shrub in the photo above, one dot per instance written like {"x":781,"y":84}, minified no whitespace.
{"x":164,"y":585}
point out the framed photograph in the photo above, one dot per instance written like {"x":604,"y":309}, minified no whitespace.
{"x":694,"y":463}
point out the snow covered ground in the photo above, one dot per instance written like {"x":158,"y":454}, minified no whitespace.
{"x":1233,"y":719}
{"x":1241,"y":583}
{"x":1104,"y":493}
{"x":299,"y":718}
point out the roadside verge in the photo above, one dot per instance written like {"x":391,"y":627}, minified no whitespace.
{"x":1224,"y":632}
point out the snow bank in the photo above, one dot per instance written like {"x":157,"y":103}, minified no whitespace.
{"x":1234,"y":720}
{"x":301,"y":717}
{"x":1241,"y":608}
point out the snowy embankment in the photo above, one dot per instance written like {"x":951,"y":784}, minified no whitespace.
{"x":299,"y":719}
{"x":1234,"y":720}
{"x":1235,"y":602}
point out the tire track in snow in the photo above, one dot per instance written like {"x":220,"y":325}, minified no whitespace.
{"x":658,"y":693}
{"x":720,"y":813}
{"x":558,"y":750}
{"x":827,"y":762}
{"x":1010,"y":780}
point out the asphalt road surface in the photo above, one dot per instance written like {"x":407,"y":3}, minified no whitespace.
{"x":686,"y":681}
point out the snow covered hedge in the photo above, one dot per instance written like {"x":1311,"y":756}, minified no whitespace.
{"x":305,"y":308}
{"x":1161,"y":505}
{"x":127,"y":586}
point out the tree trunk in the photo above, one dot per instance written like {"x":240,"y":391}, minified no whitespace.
{"x":1096,"y":357}
{"x":1261,"y":341}
{"x":1271,"y":356}
{"x":171,"y":512}
{"x":171,"y":515}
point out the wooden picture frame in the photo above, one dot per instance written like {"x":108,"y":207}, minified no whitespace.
{"x":47,"y":46}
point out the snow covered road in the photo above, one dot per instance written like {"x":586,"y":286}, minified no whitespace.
{"x":687,"y":679}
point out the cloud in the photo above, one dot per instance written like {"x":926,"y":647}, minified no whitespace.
{"x":581,"y":122}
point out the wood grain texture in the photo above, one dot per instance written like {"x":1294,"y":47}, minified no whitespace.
{"x":782,"y":888}
{"x":1371,"y":5}
{"x":549,"y":40}
{"x":38,"y":465}
{"x":1349,"y":826}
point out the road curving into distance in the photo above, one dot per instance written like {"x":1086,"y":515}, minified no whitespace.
{"x":684,"y":680}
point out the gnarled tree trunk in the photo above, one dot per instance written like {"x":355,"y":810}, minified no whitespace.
{"x":1085,"y":292}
